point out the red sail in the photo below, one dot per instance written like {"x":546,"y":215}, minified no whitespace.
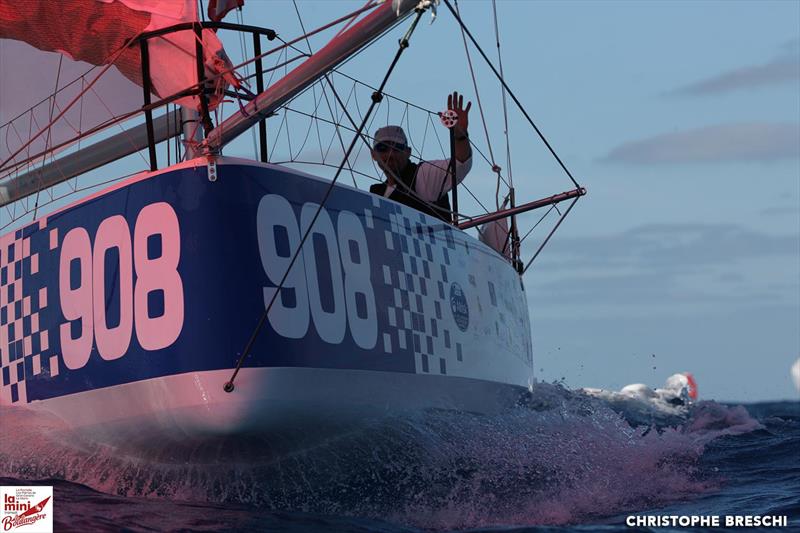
{"x":84,"y":31}
{"x":47,"y":49}
{"x":217,"y":9}
{"x":96,"y":31}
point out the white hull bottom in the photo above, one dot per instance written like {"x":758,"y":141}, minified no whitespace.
{"x":284,"y":408}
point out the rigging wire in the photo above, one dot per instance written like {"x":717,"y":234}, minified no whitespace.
{"x":336,"y":130}
{"x":244,"y":51}
{"x":538,"y":221}
{"x":513,"y":230}
{"x":202,"y":10}
{"x":115,"y":55}
{"x":552,"y":231}
{"x":511,"y":94}
{"x":416,"y":106}
{"x":328,"y":165}
{"x":317,"y":102}
{"x":113,"y":121}
{"x":495,"y":168}
{"x":407,"y":189}
{"x":108,"y":65}
{"x":503,"y":92}
{"x":100,"y":127}
{"x":47,"y":98}
{"x":302,"y":26}
{"x":376,"y":97}
{"x":344,"y":28}
{"x":49,"y":133}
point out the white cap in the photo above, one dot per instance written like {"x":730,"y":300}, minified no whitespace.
{"x":393,"y":134}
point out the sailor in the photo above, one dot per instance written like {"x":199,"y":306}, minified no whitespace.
{"x":423,"y":186}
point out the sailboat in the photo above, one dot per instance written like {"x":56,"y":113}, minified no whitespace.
{"x":223,"y":296}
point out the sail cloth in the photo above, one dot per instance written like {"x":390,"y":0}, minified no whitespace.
{"x":217,"y":9}
{"x":49,"y":53}
{"x":97,"y":31}
{"x":495,"y":234}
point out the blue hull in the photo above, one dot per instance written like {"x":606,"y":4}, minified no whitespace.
{"x":167,"y":274}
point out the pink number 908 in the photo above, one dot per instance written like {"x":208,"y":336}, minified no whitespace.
{"x":87,"y":301}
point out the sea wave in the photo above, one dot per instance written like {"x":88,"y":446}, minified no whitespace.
{"x":559,"y":457}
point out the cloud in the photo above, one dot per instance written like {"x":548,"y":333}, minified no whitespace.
{"x":783,"y":69}
{"x":679,"y":248}
{"x":748,"y":141}
{"x":668,"y":268}
{"x":755,"y":76}
{"x":780,"y":211}
{"x":791,"y":48}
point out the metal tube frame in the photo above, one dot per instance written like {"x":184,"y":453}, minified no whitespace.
{"x":148,"y":114}
{"x":453,"y":177}
{"x":536,"y":204}
{"x":262,"y":124}
{"x":200,"y":91}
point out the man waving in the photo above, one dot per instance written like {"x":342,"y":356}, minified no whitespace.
{"x":423,"y":186}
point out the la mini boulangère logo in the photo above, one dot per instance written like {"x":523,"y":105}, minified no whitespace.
{"x":26,"y":509}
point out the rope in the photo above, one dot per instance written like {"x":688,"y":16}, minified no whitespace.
{"x":310,"y":123}
{"x":108,"y":65}
{"x":511,"y":94}
{"x":399,"y":182}
{"x":336,"y":129}
{"x":229,"y":386}
{"x":116,"y":54}
{"x":495,"y":168}
{"x":302,"y":26}
{"x":349,"y":22}
{"x":47,"y":98}
{"x":367,"y":143}
{"x":552,"y":231}
{"x":49,"y":132}
{"x":503,"y":92}
{"x":538,"y":222}
{"x":415,"y":106}
{"x":245,"y":53}
{"x":514,"y":229}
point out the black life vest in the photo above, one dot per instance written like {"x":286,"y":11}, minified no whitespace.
{"x":439,"y":209}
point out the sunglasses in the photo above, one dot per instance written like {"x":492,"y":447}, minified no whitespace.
{"x":386,"y":146}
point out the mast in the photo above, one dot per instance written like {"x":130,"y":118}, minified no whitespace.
{"x":191,"y":127}
{"x":344,"y":45}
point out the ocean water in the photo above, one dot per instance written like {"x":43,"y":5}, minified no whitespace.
{"x":558,"y":461}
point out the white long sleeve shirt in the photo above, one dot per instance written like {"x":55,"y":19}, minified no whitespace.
{"x":433,"y":180}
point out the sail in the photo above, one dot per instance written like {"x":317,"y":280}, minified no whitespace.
{"x":378,"y":17}
{"x":217,"y":9}
{"x":49,"y":58}
{"x":98,"y":31}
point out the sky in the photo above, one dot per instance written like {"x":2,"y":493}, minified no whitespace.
{"x":682,"y":120}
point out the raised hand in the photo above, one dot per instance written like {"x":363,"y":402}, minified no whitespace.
{"x":455,"y":102}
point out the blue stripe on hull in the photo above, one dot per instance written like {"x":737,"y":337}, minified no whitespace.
{"x":170,"y":274}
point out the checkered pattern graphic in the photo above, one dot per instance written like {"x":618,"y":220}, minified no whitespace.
{"x":434,"y":256}
{"x":420,"y":291}
{"x":24,"y":342}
